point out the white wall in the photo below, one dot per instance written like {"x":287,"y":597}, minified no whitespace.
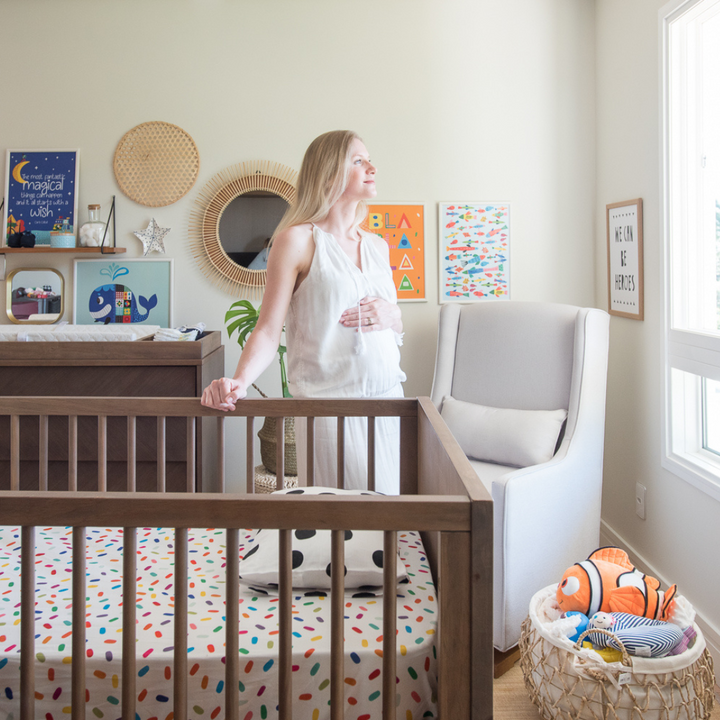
{"x":455,"y":100}
{"x":681,"y":534}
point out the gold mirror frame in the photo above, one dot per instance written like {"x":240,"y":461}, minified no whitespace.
{"x":204,"y":229}
{"x":9,"y":291}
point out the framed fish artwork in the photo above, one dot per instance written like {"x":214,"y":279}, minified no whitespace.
{"x":129,"y":291}
{"x":474,"y":251}
{"x":40,"y":192}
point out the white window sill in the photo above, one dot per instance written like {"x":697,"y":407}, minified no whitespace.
{"x":699,"y":469}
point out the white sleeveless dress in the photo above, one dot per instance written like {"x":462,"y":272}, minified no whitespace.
{"x":323,"y":362}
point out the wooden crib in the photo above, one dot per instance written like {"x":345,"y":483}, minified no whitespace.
{"x":440,"y":496}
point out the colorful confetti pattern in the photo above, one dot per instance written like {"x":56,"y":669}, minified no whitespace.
{"x":474,"y":252}
{"x":258,"y":633}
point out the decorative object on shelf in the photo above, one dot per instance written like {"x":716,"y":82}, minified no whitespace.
{"x":60,"y":239}
{"x":156,"y":163}
{"x":474,"y":243}
{"x":242,"y":318}
{"x":402,"y":226}
{"x":92,"y":231}
{"x":21,"y":239}
{"x":147,"y":297}
{"x":40,"y":192}
{"x":34,"y":296}
{"x":152,"y":237}
{"x":263,"y":185}
{"x":625,"y":259}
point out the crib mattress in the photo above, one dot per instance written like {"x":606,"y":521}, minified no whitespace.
{"x":258,"y":639}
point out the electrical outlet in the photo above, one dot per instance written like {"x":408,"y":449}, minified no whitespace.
{"x":640,"y":500}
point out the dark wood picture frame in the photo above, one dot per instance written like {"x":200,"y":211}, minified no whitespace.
{"x":624,"y":223}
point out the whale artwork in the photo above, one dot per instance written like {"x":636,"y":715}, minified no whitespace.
{"x":116,"y":303}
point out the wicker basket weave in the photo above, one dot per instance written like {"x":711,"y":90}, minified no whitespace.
{"x":562,"y":684}
{"x":268,"y":443}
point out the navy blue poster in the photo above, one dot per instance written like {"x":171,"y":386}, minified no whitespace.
{"x":40,"y":192}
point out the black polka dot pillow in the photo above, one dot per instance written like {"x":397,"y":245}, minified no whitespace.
{"x":311,"y":553}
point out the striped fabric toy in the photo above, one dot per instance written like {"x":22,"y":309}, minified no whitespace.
{"x":641,"y":636}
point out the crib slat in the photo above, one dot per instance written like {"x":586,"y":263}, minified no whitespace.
{"x":249,"y":455}
{"x":129,"y":670}
{"x":43,"y":452}
{"x":371,"y":454}
{"x":161,"y":454}
{"x":337,"y":626}
{"x":131,"y":452}
{"x":27,"y":625}
{"x":310,"y":451}
{"x":280,"y":453}
{"x":190,"y":455}
{"x":408,"y":460}
{"x":285,"y":613}
{"x":72,"y":453}
{"x":341,"y":452}
{"x":181,"y":608}
{"x":232,"y":601}
{"x":221,"y":452}
{"x":15,"y":452}
{"x":78,"y":623}
{"x":389,"y":663}
{"x":102,"y":453}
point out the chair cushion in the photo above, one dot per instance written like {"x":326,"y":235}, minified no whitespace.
{"x":504,"y":436}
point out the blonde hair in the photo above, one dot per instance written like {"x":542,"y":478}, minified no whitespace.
{"x":322,"y":180}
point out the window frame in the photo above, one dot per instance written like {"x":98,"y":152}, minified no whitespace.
{"x":689,"y":355}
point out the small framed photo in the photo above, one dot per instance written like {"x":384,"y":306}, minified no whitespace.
{"x":40,"y":192}
{"x":625,"y":259}
{"x":474,"y":246}
{"x":129,"y":291}
{"x":402,"y":226}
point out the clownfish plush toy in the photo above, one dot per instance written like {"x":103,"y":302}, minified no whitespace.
{"x":608,"y":582}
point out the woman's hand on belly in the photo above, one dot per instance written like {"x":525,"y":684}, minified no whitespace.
{"x":375,"y":314}
{"x":222,"y":394}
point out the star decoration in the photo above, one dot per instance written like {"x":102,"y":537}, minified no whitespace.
{"x":152,"y":237}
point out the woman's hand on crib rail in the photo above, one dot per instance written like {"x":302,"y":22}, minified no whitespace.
{"x":223,"y":393}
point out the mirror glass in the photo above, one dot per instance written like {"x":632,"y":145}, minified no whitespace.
{"x":247,"y":224}
{"x":35,"y":296}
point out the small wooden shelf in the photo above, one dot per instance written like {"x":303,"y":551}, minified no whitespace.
{"x":48,"y":249}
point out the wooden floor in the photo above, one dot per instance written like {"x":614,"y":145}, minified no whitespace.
{"x":511,"y":700}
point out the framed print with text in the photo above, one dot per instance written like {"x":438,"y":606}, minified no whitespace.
{"x":625,"y":259}
{"x":402,"y":226}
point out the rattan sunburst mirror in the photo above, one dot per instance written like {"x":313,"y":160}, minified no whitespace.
{"x":271,"y":185}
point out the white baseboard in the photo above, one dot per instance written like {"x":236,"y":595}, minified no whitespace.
{"x":608,"y":536}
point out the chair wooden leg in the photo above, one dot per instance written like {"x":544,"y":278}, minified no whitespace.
{"x":505,"y":661}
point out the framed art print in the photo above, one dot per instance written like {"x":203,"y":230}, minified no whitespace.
{"x":474,"y":245}
{"x":625,"y":259}
{"x":40,"y":192}
{"x":130,"y":291}
{"x":402,"y":226}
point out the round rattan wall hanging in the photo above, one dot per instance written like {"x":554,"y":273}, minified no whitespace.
{"x":250,"y":177}
{"x":156,"y":163}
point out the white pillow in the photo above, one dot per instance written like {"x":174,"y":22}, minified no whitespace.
{"x":312,"y":553}
{"x":503,"y":436}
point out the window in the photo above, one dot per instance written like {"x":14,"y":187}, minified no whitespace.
{"x":690,"y":33}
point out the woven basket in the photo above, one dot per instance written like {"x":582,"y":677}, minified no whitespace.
{"x":266,"y":482}
{"x":268,"y":443}
{"x":564,"y":683}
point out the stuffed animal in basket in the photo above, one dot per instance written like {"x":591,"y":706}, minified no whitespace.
{"x":641,"y":636}
{"x":608,"y":582}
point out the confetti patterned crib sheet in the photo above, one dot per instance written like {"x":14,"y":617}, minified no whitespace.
{"x":258,"y":633}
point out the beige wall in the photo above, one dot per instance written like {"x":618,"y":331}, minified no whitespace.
{"x":456,"y":100}
{"x":681,"y":534}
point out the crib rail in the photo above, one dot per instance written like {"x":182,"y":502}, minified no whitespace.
{"x":451,"y":509}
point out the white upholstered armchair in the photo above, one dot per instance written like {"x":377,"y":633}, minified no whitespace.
{"x":529,"y":357}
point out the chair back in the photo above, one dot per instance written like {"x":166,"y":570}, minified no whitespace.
{"x":506,"y":354}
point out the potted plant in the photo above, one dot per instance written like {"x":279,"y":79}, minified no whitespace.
{"x":242,"y":317}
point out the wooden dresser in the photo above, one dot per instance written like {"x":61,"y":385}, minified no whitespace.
{"x":126,"y":369}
